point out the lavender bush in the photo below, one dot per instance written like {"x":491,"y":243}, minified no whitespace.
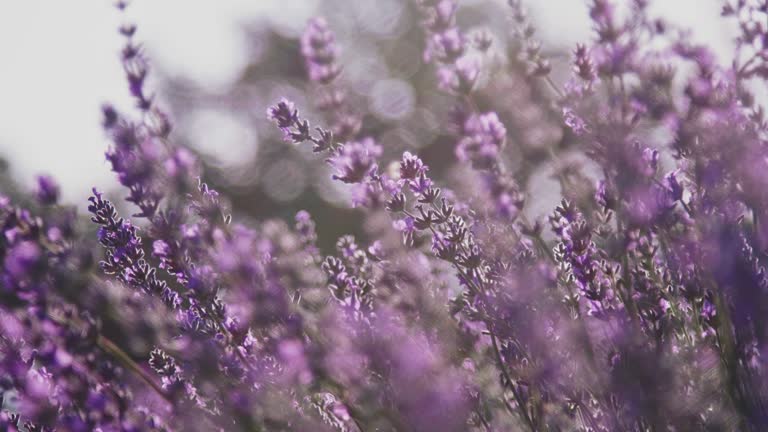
{"x":638,"y":303}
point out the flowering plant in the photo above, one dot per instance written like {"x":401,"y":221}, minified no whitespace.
{"x":638,"y":303}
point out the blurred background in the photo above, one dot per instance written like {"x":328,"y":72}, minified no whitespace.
{"x":216,"y":66}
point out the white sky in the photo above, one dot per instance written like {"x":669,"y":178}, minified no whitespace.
{"x":60,"y":63}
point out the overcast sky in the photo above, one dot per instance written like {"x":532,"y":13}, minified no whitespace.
{"x":60,"y":63}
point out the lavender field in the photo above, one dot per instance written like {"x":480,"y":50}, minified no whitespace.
{"x":409,"y":215}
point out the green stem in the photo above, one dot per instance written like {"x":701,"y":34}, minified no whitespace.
{"x":515,"y":393}
{"x":111,"y":348}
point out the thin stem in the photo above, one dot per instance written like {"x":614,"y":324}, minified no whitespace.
{"x":497,"y":354}
{"x":115,"y":351}
{"x":505,"y":372}
{"x":355,"y":414}
{"x":746,"y":64}
{"x":485,"y":423}
{"x":539,"y":240}
{"x":728,"y":355}
{"x":554,"y":86}
{"x":111,"y":348}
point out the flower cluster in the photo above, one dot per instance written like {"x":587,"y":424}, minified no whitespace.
{"x":320,"y":52}
{"x":640,"y":306}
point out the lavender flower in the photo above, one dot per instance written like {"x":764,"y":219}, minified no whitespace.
{"x":319,"y":48}
{"x":47,"y":190}
{"x":320,"y":51}
{"x":355,"y":161}
{"x":125,"y":253}
{"x":445,"y":303}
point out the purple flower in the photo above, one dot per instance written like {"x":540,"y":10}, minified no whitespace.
{"x":411,"y":167}
{"x":484,"y":138}
{"x":643,"y":308}
{"x":459,"y":79}
{"x":284,"y":114}
{"x":407,"y":228}
{"x":673,"y":186}
{"x":125,"y":255}
{"x":24,"y":261}
{"x":449,"y":45}
{"x":574,"y":122}
{"x":355,"y":160}
{"x":582,"y":64}
{"x":318,"y":46}
{"x":47,"y":190}
{"x":420,"y":185}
